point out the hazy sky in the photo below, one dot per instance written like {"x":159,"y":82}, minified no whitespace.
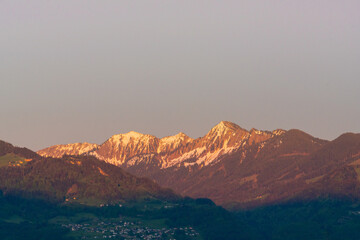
{"x":73,"y":71}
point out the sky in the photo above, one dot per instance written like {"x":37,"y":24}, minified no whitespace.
{"x":75,"y":71}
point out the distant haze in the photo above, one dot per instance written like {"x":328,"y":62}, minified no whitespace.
{"x":74,"y":71}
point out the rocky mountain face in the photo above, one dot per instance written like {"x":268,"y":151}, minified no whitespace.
{"x":58,"y":151}
{"x":236,"y":167}
{"x":132,"y":149}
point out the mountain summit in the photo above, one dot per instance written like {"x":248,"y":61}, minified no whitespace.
{"x":135,"y":148}
{"x":121,"y":147}
{"x":223,"y":128}
{"x":169,"y":144}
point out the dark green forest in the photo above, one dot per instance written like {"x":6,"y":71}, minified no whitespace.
{"x":320,"y":219}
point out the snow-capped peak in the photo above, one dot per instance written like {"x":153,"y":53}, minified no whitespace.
{"x":178,"y":137}
{"x":172,"y":142}
{"x":223,"y":128}
{"x":133,"y":134}
{"x":126,"y":138}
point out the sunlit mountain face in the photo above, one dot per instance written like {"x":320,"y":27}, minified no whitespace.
{"x":235,"y":167}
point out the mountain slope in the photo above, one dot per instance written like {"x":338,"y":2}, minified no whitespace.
{"x":262,"y":172}
{"x":233,"y":166}
{"x":82,"y":179}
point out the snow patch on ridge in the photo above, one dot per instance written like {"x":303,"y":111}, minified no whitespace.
{"x":213,"y":157}
{"x":137,"y":160}
{"x":191,"y":154}
{"x":278,"y":132}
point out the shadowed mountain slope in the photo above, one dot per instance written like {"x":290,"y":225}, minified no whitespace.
{"x":82,"y":179}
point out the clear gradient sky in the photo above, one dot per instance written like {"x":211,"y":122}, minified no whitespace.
{"x":73,"y":71}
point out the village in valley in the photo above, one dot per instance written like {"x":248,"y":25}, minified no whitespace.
{"x":123,"y":229}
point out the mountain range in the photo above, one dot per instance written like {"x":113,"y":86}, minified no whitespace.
{"x":235,"y":167}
